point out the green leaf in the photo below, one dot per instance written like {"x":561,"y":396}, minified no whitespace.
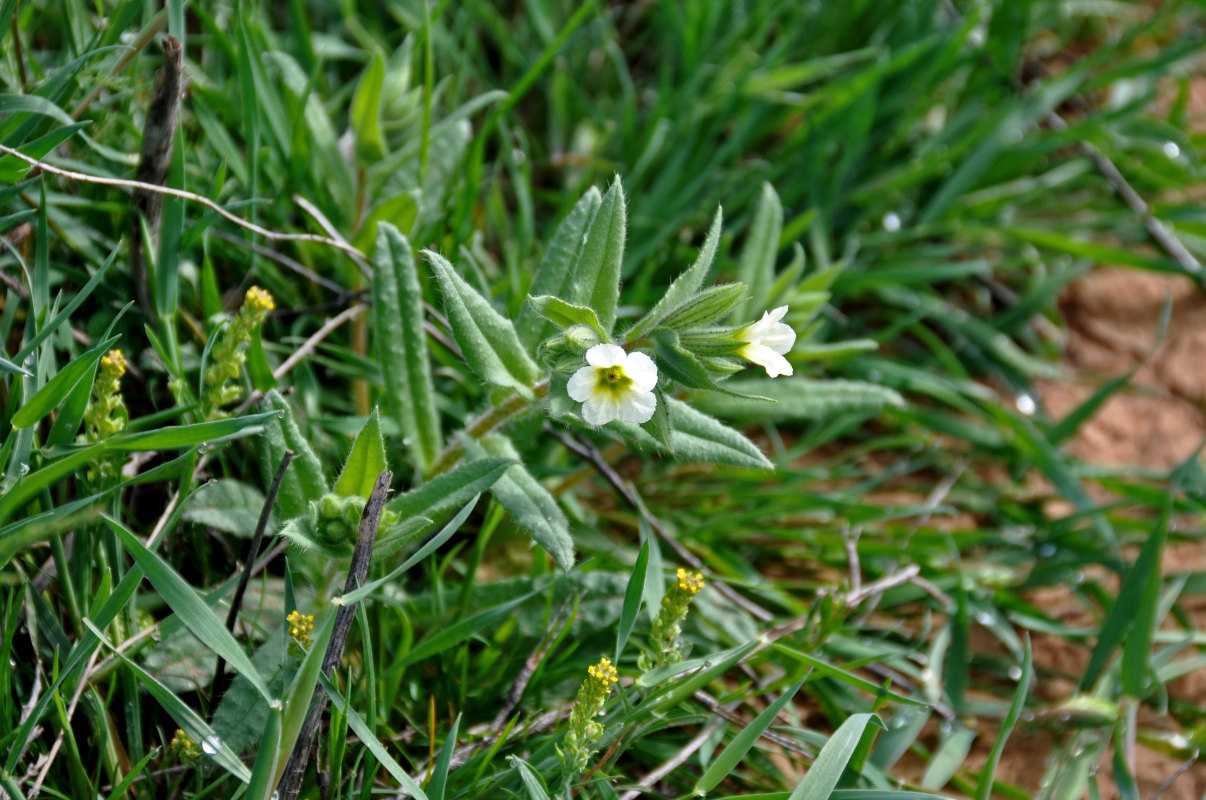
{"x":59,"y":387}
{"x":402,"y":346}
{"x":191,"y":609}
{"x":170,"y":438}
{"x":449,"y":489}
{"x":439,"y":775}
{"x":528,"y":501}
{"x":183,"y":714}
{"x":261,"y":783}
{"x":705,"y":307}
{"x":365,"y":114}
{"x":680,"y":364}
{"x":449,"y":636}
{"x":710,"y":667}
{"x":757,"y":265}
{"x":487,"y":339}
{"x":531,"y":780}
{"x":243,"y":711}
{"x":596,"y":278}
{"x":988,"y":773}
{"x":301,"y":694}
{"x":230,"y":506}
{"x":632,"y":600}
{"x":564,"y":314}
{"x":698,"y":437}
{"x":684,"y":287}
{"x":366,"y":461}
{"x":556,"y":272}
{"x":356,"y":595}
{"x":826,"y":771}
{"x":305,"y":481}
{"x":728,"y":759}
{"x":370,"y":740}
{"x":797,"y":399}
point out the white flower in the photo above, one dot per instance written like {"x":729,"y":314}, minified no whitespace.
{"x":616,"y":385}
{"x":768,"y":339}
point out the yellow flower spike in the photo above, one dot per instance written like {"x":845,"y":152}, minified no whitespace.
{"x":666,"y":633}
{"x":229,"y":354}
{"x":583,"y":730}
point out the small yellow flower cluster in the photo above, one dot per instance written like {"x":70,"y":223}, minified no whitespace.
{"x":689,"y":582}
{"x":259,"y":302}
{"x":667,"y":631}
{"x":105,"y":414}
{"x":229,"y":355}
{"x":583,"y":730}
{"x":604,"y":673}
{"x":300,"y":626}
{"x":183,"y":745}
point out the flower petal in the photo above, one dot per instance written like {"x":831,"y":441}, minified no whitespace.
{"x":641,"y":369}
{"x":637,"y":406}
{"x":774,"y":363}
{"x":582,"y":384}
{"x":600,"y":408}
{"x":605,"y":355}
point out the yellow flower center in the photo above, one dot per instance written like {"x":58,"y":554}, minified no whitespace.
{"x":612,"y":380}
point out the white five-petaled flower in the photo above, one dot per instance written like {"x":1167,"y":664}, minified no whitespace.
{"x":767,"y":340}
{"x":615,"y":385}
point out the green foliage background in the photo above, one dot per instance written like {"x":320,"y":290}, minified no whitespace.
{"x":917,"y":180}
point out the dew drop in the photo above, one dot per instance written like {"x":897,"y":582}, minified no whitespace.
{"x":891,"y":222}
{"x":23,"y":470}
{"x":1171,"y":150}
{"x":211,"y":744}
{"x":1026,"y":404}
{"x":926,"y":675}
{"x":875,"y":376}
{"x":985,"y":618}
{"x":1065,"y":717}
{"x":1015,"y":673}
{"x":202,"y":449}
{"x":1046,"y":550}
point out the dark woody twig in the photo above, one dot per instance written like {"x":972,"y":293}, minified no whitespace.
{"x":290,"y":786}
{"x":158,"y":134}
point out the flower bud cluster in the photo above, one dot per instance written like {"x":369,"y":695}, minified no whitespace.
{"x":183,"y":746}
{"x":229,"y":355}
{"x":106,"y":413}
{"x":584,"y":731}
{"x":666,"y":634}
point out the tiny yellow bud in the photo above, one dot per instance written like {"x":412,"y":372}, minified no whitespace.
{"x":114,"y":362}
{"x":300,"y":626}
{"x":604,"y":672}
{"x":689,"y":582}
{"x":258,"y":300}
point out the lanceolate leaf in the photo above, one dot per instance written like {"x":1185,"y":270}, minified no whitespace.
{"x":564,"y":314}
{"x":698,"y":437}
{"x":304,"y":481}
{"x":528,"y":502}
{"x":58,"y":387}
{"x":402,"y":346}
{"x":450,"y":489}
{"x":596,"y":279}
{"x":797,"y":398}
{"x":685,"y":285}
{"x":822,"y":778}
{"x":555,"y":275}
{"x":365,"y":462}
{"x":487,"y":339}
{"x":757,"y":268}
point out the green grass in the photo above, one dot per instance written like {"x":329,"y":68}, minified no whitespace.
{"x":895,"y":174}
